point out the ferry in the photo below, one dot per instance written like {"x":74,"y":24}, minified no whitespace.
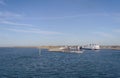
{"x":72,"y":49}
{"x":91,"y":47}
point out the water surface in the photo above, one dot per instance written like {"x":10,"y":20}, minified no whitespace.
{"x":27,"y":63}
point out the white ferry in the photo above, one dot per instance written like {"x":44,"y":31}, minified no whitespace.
{"x":92,"y":47}
{"x":72,"y":49}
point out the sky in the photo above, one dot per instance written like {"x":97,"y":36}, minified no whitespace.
{"x":59,"y":22}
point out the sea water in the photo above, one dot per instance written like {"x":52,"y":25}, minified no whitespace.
{"x":29,"y":63}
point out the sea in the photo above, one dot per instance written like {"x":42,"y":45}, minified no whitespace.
{"x":31,"y":63}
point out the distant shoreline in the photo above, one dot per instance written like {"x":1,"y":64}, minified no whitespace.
{"x":56,"y":47}
{"x":111,"y":47}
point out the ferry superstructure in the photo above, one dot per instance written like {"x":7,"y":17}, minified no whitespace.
{"x":92,"y":47}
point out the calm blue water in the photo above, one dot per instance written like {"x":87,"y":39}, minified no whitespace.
{"x":27,"y":63}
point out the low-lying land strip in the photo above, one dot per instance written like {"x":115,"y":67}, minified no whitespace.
{"x":111,"y":47}
{"x":57,"y":48}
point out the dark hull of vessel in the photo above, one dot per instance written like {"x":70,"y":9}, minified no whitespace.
{"x":89,"y":49}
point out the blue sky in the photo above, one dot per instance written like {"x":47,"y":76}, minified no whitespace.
{"x":59,"y":22}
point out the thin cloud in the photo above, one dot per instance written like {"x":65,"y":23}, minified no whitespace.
{"x":68,"y":16}
{"x":30,"y":28}
{"x":72,"y":16}
{"x":9,"y":15}
{"x":35,"y":31}
{"x":14,"y":23}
